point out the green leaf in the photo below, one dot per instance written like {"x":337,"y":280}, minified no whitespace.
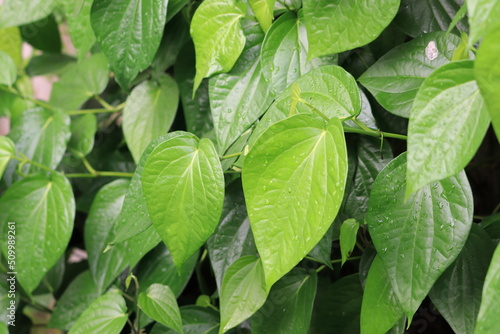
{"x":243,"y":291}
{"x":323,"y":249}
{"x":47,"y":63}
{"x":290,"y":181}
{"x":487,"y":320}
{"x":149,"y":112}
{"x":491,"y":225}
{"x":160,"y":304}
{"x":79,"y":26}
{"x":10,"y":43}
{"x":284,"y":52}
{"x":483,"y":15}
{"x":83,"y":130}
{"x":7,"y":149}
{"x":457,"y":292}
{"x":240,"y":97}
{"x":77,"y":297}
{"x":42,"y":209}
{"x":289,"y":305}
{"x":107,"y":314}
{"x":129,"y":44}
{"x":80,"y":82}
{"x":184,"y":188}
{"x":396,"y":77}
{"x":487,"y":73}
{"x":218,"y":37}
{"x":447,"y":124}
{"x":263,"y":10}
{"x":18,"y":12}
{"x":43,"y":35}
{"x":380,"y":309}
{"x":233,"y":238}
{"x":348,"y":234}
{"x":417,"y":238}
{"x":195,"y":319}
{"x":462,"y":50}
{"x":174,"y":7}
{"x":8,"y":71}
{"x":341,"y":26}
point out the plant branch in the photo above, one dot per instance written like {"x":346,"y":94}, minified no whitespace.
{"x":229,"y":156}
{"x":375,"y":133}
{"x":29,"y":98}
{"x":89,"y":111}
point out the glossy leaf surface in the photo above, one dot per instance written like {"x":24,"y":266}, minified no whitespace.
{"x":486,"y":320}
{"x":160,"y":304}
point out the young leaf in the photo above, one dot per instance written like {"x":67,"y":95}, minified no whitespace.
{"x":218,"y":37}
{"x":129,"y":43}
{"x":83,"y":129}
{"x":457,"y":292}
{"x":149,"y":112}
{"x":263,"y":10}
{"x":243,"y":291}
{"x":160,"y":304}
{"x":417,"y":238}
{"x":195,"y":320}
{"x":11,"y":43}
{"x":289,"y":305}
{"x":107,"y":314}
{"x":487,"y":321}
{"x":447,"y":124}
{"x":183,"y":185}
{"x":8,"y":72}
{"x":396,"y":77}
{"x":42,"y":209}
{"x":340,"y":26}
{"x":483,"y":14}
{"x":19,"y":12}
{"x":7,"y":149}
{"x":348,"y":234}
{"x":79,"y":26}
{"x":291,"y":181}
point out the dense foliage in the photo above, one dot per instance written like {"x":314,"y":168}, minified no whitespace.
{"x":263,"y":166}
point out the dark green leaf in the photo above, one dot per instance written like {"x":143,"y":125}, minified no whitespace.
{"x":487,"y":321}
{"x":483,"y":14}
{"x":79,"y":26}
{"x":49,"y":64}
{"x":18,"y":12}
{"x":195,"y":320}
{"x":83,"y":129}
{"x":491,"y":225}
{"x":323,"y":249}
{"x":348,"y":235}
{"x":160,"y":304}
{"x":43,"y":35}
{"x":174,"y":7}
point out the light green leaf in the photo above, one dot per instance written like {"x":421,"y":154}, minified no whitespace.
{"x":107,"y":314}
{"x":457,"y":292}
{"x":487,"y":72}
{"x":417,"y":238}
{"x":462,"y":50}
{"x":79,"y":83}
{"x":160,"y":304}
{"x":348,"y":234}
{"x":218,"y":37}
{"x":336,"y":26}
{"x":7,"y":149}
{"x":79,"y":26}
{"x":8,"y":72}
{"x":129,"y":33}
{"x":380,"y":309}
{"x":19,"y":12}
{"x":240,"y":97}
{"x":149,"y":112}
{"x":447,"y":124}
{"x":243,"y":292}
{"x":196,"y":320}
{"x":83,"y":129}
{"x":487,"y":321}
{"x":291,"y":181}
{"x":396,"y":77}
{"x":42,"y":209}
{"x":289,"y":305}
{"x":263,"y":10}
{"x":483,"y":15}
{"x":184,"y":188}
{"x":10,"y":43}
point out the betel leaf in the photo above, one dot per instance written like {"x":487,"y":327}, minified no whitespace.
{"x":233,"y":237}
{"x":419,"y":237}
{"x":42,"y":209}
{"x":195,"y":319}
{"x":218,"y":37}
{"x":483,"y":15}
{"x":284,"y":52}
{"x":243,"y":291}
{"x":8,"y":72}
{"x":174,"y":7}
{"x":79,"y":294}
{"x":159,"y":303}
{"x":7,"y":149}
{"x":487,"y":73}
{"x":107,"y":314}
{"x":129,"y":33}
{"x":289,"y":305}
{"x":79,"y":26}
{"x":447,"y":124}
{"x":149,"y":112}
{"x":380,"y":309}
{"x":183,"y":185}
{"x":80,"y":82}
{"x":43,"y":35}
{"x":83,"y":130}
{"x":240,"y":97}
{"x":10,"y":43}
{"x":487,"y":321}
{"x":263,"y":10}
{"x":337,"y":26}
{"x":396,"y":77}
{"x":48,"y":63}
{"x":348,"y":234}
{"x":457,"y":292}
{"x":294,"y":176}
{"x":18,"y":12}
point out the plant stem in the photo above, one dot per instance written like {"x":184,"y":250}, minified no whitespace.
{"x":229,"y":156}
{"x":375,"y":133}
{"x":88,"y":111}
{"x":31,"y":99}
{"x":103,"y":103}
{"x":352,"y":258}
